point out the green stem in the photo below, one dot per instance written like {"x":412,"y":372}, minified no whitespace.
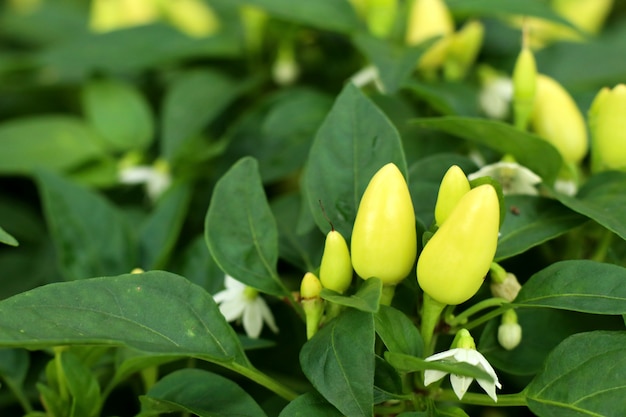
{"x":431,"y":311}
{"x":477,"y":322}
{"x":603,"y":245}
{"x":18,"y":392}
{"x":264,"y":380}
{"x":63,"y":392}
{"x":464,"y":316}
{"x":506,"y":400}
{"x":387,"y":295}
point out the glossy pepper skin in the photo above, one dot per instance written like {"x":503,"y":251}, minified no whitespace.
{"x":454,"y":186}
{"x":557,"y":119}
{"x":607,"y":122}
{"x":336,"y":267}
{"x":384,"y":240}
{"x":454,"y":262}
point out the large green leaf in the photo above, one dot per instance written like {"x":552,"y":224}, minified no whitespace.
{"x":398,"y":332}
{"x":602,"y":199}
{"x":192,"y":101}
{"x":338,"y":367}
{"x":529,"y":150}
{"x":155,"y":312}
{"x":367,"y":298}
{"x":6,"y":238}
{"x":531,"y":221}
{"x":448,"y":98}
{"x":53,"y":142}
{"x":200,"y":392}
{"x":119,"y":113}
{"x":160,"y":230}
{"x":241,"y":231}
{"x":583,"y":376}
{"x":323,"y":14}
{"x":82,"y":384}
{"x":578,"y":285}
{"x":310,"y":405}
{"x":354,"y":142}
{"x":91,"y":236}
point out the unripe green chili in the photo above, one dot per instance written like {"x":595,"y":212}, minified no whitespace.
{"x":336,"y":268}
{"x":454,"y":262}
{"x":384,"y":239}
{"x":454,"y":185}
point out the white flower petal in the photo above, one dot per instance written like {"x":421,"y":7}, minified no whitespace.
{"x":266,"y":314}
{"x":460,"y":384}
{"x":252,"y":320}
{"x":136,"y":175}
{"x":442,"y":355}
{"x":514,"y":178}
{"x":489,"y":388}
{"x":433,"y":375}
{"x":233,"y":284}
{"x":232,"y":309}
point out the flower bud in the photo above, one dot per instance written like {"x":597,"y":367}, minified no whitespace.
{"x":428,"y":19}
{"x":336,"y":267}
{"x":312,"y":304}
{"x":607,"y":122}
{"x":524,"y":87}
{"x":454,"y":262}
{"x":384,"y":239}
{"x":454,"y":185}
{"x":557,"y":119}
{"x":509,"y":331}
{"x":507,"y":289}
{"x":463,"y":50}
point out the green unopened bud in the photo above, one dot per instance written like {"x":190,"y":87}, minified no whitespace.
{"x":463,"y":340}
{"x":384,"y":239}
{"x":454,"y":185}
{"x":509,"y":331}
{"x":524,"y":87}
{"x":607,"y":122}
{"x":428,"y":19}
{"x":336,"y":267}
{"x":454,"y":262}
{"x":463,"y":50}
{"x":507,"y":288}
{"x":312,"y":304}
{"x":557,"y":119}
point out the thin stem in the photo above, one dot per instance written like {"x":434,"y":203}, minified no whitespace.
{"x":464,"y":316}
{"x":63,"y":392}
{"x":431,"y":311}
{"x":506,"y":400}
{"x":387,"y":295}
{"x":264,"y":380}
{"x":603,"y":245}
{"x":477,"y":322}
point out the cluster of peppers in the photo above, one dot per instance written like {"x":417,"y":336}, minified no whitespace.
{"x":451,"y":266}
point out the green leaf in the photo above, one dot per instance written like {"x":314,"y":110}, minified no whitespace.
{"x":398,"y":332}
{"x":529,"y":150}
{"x":126,"y":310}
{"x":584,"y":375}
{"x":340,"y":369}
{"x":387,"y":382}
{"x":241,"y":231}
{"x":408,"y":363}
{"x":602,"y":199}
{"x":448,"y":98}
{"x":160,"y":230}
{"x":186,"y":390}
{"x":310,"y":405}
{"x":497,"y":8}
{"x":568,"y":285}
{"x":394,"y":63}
{"x":6,"y":238}
{"x":194,"y":100}
{"x":198,"y":266}
{"x":119,"y":113}
{"x":82,"y":385}
{"x":130,"y":361}
{"x":323,"y":14}
{"x":542,"y":330}
{"x":14,"y":364}
{"x":53,"y":142}
{"x":531,"y":221}
{"x":367,"y":298}
{"x":354,"y":142}
{"x":91,"y":237}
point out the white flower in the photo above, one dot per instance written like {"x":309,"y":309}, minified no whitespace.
{"x":156,"y":178}
{"x":366,"y":76}
{"x":514,"y":178}
{"x":239,"y":301}
{"x":495,"y":97}
{"x":460,"y":383}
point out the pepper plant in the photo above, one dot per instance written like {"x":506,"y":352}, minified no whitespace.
{"x":322,"y":208}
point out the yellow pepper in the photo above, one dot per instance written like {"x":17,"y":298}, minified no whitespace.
{"x":427,"y":19}
{"x":454,"y":262}
{"x":336,"y":268}
{"x":454,"y":185}
{"x":557,"y":119}
{"x":607,"y":122}
{"x":312,"y":304}
{"x":384,"y":239}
